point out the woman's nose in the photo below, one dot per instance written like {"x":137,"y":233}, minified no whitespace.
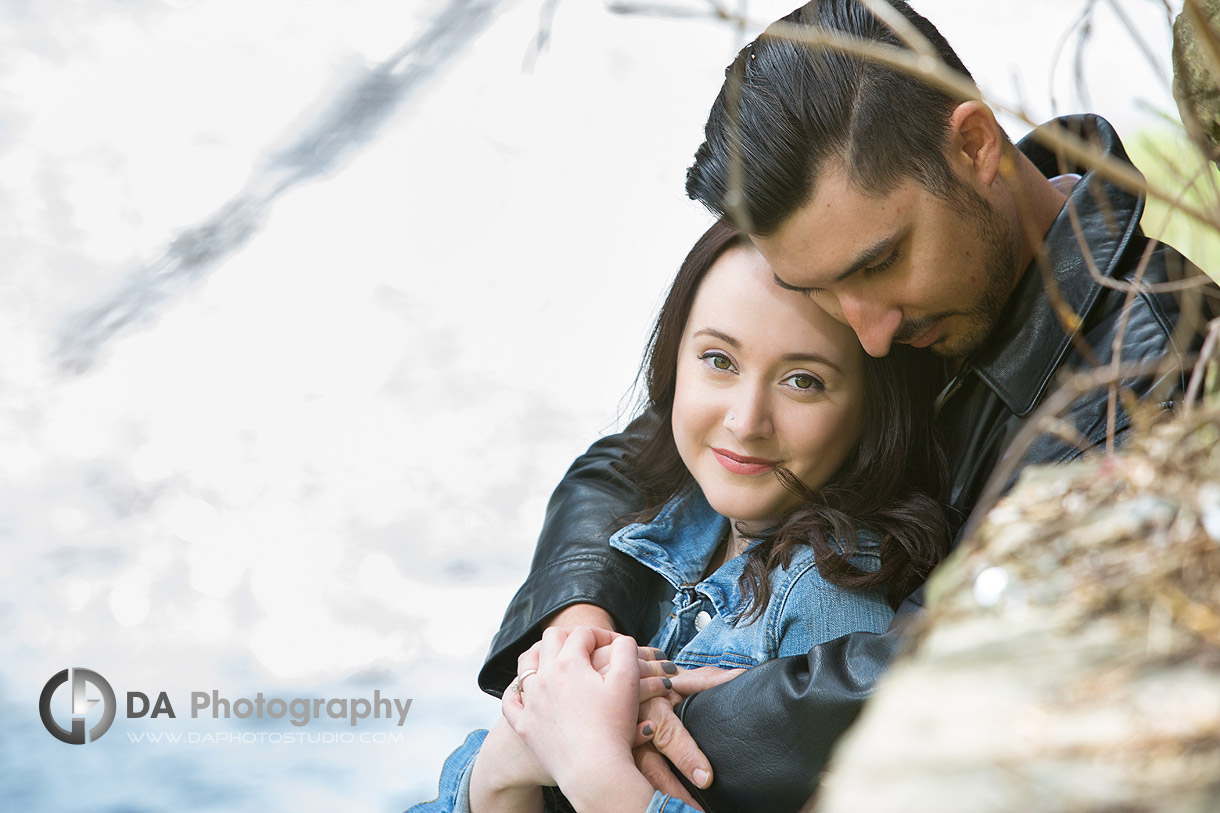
{"x":748,"y":415}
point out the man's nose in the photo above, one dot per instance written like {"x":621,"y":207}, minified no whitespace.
{"x":875,"y":323}
{"x":748,"y":415}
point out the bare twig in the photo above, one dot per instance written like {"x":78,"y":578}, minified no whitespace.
{"x":1082,"y":41}
{"x":933,"y":71}
{"x":937,"y":74}
{"x":901,"y":27}
{"x":346,"y":122}
{"x":1157,"y":67}
{"x":1205,"y":356}
{"x":734,"y":197}
{"x":1037,"y":425}
{"x":1116,"y":345}
{"x":675,"y":12}
{"x":1059,"y":49}
{"x":542,"y":37}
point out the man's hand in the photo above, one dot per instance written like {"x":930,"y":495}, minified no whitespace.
{"x":648,"y":761}
{"x":693,"y":681}
{"x":660,"y":727}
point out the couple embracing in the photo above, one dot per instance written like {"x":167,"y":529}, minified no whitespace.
{"x":841,"y":364}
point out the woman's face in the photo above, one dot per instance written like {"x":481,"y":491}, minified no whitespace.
{"x":765,"y":378}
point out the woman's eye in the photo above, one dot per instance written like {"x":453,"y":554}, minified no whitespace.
{"x":804,"y":381}
{"x":717,"y":360}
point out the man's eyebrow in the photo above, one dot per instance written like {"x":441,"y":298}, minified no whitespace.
{"x":869,"y":255}
{"x":865,"y":257}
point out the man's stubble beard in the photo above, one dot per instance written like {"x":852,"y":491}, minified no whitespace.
{"x":1000,"y":269}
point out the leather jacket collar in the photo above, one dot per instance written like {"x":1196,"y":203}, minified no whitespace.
{"x":1108,"y":218}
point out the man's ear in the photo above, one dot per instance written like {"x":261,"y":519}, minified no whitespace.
{"x":976,"y":142}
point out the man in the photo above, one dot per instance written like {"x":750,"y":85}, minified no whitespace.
{"x":908,"y":215}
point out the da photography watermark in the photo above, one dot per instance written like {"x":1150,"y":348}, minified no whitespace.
{"x":300,"y":710}
{"x":297,"y":712}
{"x":81,"y":705}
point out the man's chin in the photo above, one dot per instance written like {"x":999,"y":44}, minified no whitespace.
{"x":960,"y":345}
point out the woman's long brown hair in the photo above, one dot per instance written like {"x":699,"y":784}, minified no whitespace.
{"x":895,"y":482}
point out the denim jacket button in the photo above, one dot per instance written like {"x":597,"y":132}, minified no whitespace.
{"x":701,"y":619}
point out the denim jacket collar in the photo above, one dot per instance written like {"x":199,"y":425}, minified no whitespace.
{"x":680,"y":542}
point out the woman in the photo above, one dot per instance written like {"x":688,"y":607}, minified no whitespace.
{"x":794,"y":488}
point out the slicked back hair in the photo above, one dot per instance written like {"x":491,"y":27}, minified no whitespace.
{"x":786,"y":108}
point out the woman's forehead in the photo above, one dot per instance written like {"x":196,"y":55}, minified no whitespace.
{"x":739,"y":296}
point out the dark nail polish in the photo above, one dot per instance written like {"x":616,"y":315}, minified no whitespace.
{"x":669,"y":668}
{"x":647,"y":729}
{"x":667,"y":683}
{"x":660,"y":654}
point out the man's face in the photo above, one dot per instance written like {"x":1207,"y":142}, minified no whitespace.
{"x":907,"y":267}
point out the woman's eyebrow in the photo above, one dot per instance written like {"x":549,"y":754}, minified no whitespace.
{"x":816,"y":358}
{"x":787,"y":358}
{"x":719,"y":334}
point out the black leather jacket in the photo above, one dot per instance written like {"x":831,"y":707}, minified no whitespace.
{"x":769,"y":732}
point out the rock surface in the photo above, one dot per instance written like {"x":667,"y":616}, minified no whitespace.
{"x":1196,"y":74}
{"x":1071,"y":659}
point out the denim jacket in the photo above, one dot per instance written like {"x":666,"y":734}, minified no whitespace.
{"x":454,"y":791}
{"x":706,"y":624}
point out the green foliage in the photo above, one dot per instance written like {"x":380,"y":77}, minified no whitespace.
{"x":1169,"y":160}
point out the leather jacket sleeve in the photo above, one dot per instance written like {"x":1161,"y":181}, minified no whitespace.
{"x":769,"y":732}
{"x":573,"y":562}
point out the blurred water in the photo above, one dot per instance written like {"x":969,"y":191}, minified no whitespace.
{"x":316,"y":465}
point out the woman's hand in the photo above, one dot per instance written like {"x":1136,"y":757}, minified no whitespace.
{"x":580,"y":720}
{"x":656,"y":671}
{"x":506,"y":777}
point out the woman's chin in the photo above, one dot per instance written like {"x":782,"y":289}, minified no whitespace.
{"x":752,"y":519}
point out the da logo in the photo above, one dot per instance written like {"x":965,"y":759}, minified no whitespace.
{"x":80,"y":705}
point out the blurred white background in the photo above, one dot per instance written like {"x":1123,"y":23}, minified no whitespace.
{"x":314,"y":462}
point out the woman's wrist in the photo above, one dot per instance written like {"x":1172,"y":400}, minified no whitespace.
{"x":501,"y":780}
{"x":508,"y":800}
{"x":610,"y":788}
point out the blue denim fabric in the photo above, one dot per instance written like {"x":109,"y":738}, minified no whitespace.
{"x":705,"y":625}
{"x":454,"y":791}
{"x":667,"y":804}
{"x":804,"y":610}
{"x":454,"y":795}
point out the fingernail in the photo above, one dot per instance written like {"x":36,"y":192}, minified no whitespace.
{"x":667,"y":683}
{"x":647,"y":729}
{"x":701,"y":778}
{"x":669,"y":668}
{"x":660,"y":654}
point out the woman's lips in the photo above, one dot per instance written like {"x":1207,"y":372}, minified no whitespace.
{"x":740,"y":464}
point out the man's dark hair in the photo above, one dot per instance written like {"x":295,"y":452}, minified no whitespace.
{"x":786,"y":108}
